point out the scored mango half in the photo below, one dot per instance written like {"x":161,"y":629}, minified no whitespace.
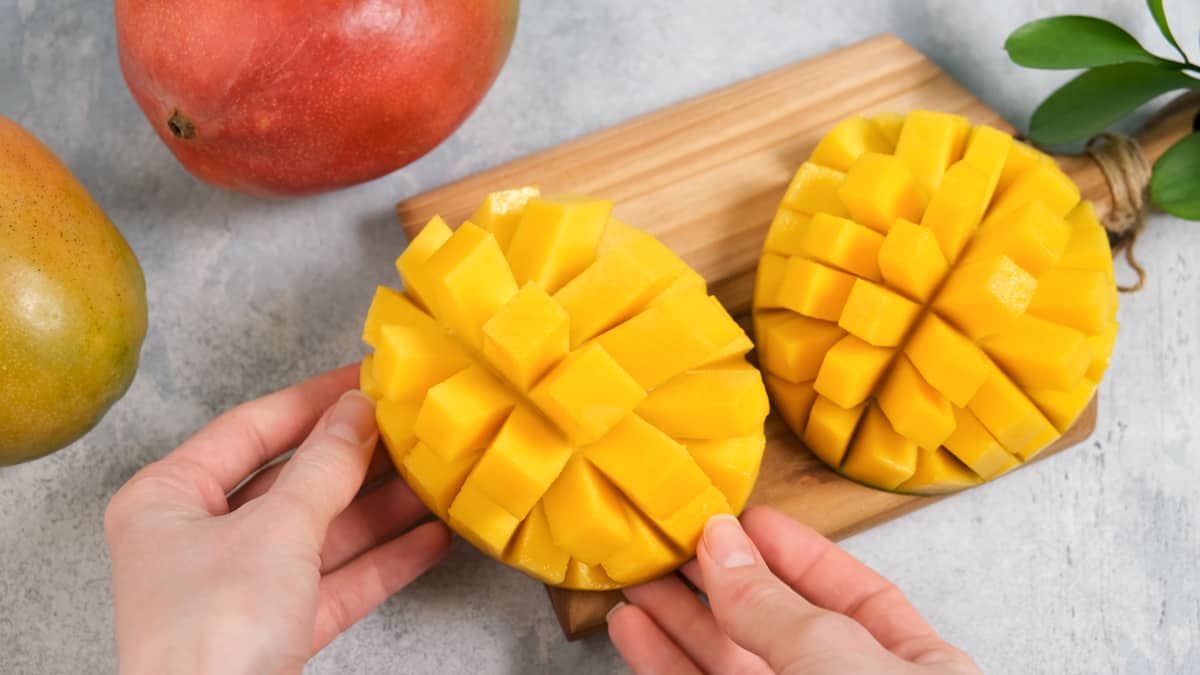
{"x":561,"y":389}
{"x":934,"y":304}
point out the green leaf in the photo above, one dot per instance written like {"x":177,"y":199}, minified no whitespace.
{"x":1094,"y":100}
{"x":1175,"y":186}
{"x":1160,"y":18}
{"x":1065,"y":42}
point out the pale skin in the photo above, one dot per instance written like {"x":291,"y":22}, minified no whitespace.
{"x":214,"y":573}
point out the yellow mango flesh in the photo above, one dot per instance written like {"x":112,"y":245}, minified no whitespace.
{"x":561,"y":389}
{"x":981,"y":331}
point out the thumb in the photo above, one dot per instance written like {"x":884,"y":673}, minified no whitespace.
{"x":759,"y":611}
{"x":328,"y":469}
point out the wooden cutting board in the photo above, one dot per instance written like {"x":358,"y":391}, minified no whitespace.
{"x":705,"y":176}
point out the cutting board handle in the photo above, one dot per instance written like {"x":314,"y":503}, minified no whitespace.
{"x":1176,"y":120}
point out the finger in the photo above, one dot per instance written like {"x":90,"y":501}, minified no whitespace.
{"x":351,"y":592}
{"x":326,"y":472}
{"x":760,"y":612}
{"x":240,"y":441}
{"x":645,"y":647}
{"x":379,"y":515}
{"x":691,"y":572}
{"x":381,"y":467}
{"x":688,"y":623}
{"x":829,"y":577}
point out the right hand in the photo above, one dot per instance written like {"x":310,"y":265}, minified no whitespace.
{"x":785,"y":600}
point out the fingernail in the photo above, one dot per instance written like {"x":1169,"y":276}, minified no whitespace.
{"x":353,"y":418}
{"x":620,"y":603}
{"x":727,"y":542}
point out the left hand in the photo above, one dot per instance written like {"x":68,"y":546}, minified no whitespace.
{"x":257,"y":581}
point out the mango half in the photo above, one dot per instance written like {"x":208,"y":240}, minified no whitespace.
{"x":560,"y":388}
{"x":934,"y":304}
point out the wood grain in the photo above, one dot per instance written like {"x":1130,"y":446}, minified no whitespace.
{"x":705,"y":176}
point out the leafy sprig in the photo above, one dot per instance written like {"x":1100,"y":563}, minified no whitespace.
{"x":1120,"y":76}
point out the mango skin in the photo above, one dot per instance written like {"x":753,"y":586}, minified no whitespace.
{"x":72,"y":303}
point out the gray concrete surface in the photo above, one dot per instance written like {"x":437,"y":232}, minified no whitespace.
{"x":1086,"y":563}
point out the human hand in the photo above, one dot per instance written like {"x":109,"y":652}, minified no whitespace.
{"x":783,"y":600}
{"x":258,"y":581}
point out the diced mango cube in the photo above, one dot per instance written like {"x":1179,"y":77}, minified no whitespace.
{"x":889,"y":125}
{"x":685,"y":526}
{"x":731,"y":463}
{"x":653,"y":470}
{"x":1022,"y":158}
{"x":1088,"y":249}
{"x":1063,"y":406}
{"x":916,"y":410}
{"x":877,"y":315}
{"x":688,"y":283}
{"x":830,"y":428}
{"x":592,"y":577}
{"x":435,"y":480}
{"x":846,"y":141}
{"x":533,"y":550}
{"x":974,"y":446}
{"x":411,"y":263}
{"x":1039,"y":354}
{"x":1031,"y":235}
{"x":1101,"y":347}
{"x":366,"y":377}
{"x":793,"y":400}
{"x":708,"y":404}
{"x":929,"y":143}
{"x":671,"y":337}
{"x":408,"y":361}
{"x":522,"y":462}
{"x":482,"y":521}
{"x":956,"y":208}
{"x":879,"y":189}
{"x":787,"y":233}
{"x":647,"y":556}
{"x":618,"y":285}
{"x":587,"y":393}
{"x":527,"y":336}
{"x":393,"y":307}
{"x":586,"y":514}
{"x":397,"y":421}
{"x":938,"y":472}
{"x":767,"y":280}
{"x":879,"y":455}
{"x":557,"y":238}
{"x":461,"y":415}
{"x":1078,"y":298}
{"x":812,"y":289}
{"x":987,"y":152}
{"x":851,"y":371}
{"x":947,"y":359}
{"x":1007,"y":413}
{"x":1045,"y":183}
{"x":844,"y":244}
{"x":814,"y":189}
{"x":983,"y":296}
{"x":501,"y":211}
{"x":469,"y":280}
{"x":911,"y":261}
{"x":791,"y":346}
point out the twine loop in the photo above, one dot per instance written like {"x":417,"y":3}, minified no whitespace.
{"x":1128,"y":174}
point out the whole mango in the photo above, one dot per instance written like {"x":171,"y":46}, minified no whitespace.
{"x":72,"y":303}
{"x":290,"y":97}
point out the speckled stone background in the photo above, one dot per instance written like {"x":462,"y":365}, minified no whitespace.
{"x":1086,"y":563}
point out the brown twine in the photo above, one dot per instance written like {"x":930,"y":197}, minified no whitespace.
{"x":1128,"y":174}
